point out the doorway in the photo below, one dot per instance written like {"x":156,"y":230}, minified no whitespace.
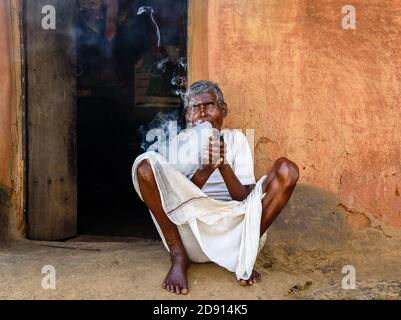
{"x":130,"y":67}
{"x":93,"y":82}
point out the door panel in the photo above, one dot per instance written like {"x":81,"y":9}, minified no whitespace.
{"x":51,"y":121}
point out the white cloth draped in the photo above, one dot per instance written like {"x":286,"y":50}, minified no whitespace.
{"x":224,"y":232}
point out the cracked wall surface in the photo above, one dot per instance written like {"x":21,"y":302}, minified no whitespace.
{"x":324,"y":97}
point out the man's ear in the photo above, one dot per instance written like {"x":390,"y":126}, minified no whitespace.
{"x":225,"y":110}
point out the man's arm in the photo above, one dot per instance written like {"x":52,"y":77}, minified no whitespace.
{"x":237,"y":190}
{"x":217,"y":150}
{"x":201,"y":176}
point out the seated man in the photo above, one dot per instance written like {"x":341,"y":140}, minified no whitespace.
{"x":217,"y":213}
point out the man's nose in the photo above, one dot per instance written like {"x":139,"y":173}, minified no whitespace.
{"x":202,"y":110}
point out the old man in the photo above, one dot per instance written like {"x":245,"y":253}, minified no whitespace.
{"x":218,"y":213}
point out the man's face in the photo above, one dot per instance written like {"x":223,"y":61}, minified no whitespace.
{"x":205,"y":107}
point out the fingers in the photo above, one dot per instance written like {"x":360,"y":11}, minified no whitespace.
{"x":223,"y":148}
{"x":212,"y":159}
{"x":212,"y":155}
{"x":217,"y":145}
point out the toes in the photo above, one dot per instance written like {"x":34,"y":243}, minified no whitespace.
{"x":243,"y":282}
{"x":254,"y":278}
{"x":184,"y":290}
{"x":177,"y":290}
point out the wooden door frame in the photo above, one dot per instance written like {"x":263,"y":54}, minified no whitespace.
{"x":51,"y":121}
{"x":17,"y":200}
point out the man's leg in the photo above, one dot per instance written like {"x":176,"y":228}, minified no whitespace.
{"x":278,"y":186}
{"x":176,"y":279}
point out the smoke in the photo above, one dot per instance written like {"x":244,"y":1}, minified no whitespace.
{"x":179,"y":83}
{"x":161,"y":65}
{"x":150,"y":11}
{"x":175,"y":69}
{"x":182,"y":62}
{"x":160,"y":122}
{"x":183,"y":149}
{"x":171,"y":65}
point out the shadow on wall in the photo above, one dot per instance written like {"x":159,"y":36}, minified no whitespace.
{"x":314,"y":219}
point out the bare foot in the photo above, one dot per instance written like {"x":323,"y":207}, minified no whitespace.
{"x":255,"y":277}
{"x":176,"y":279}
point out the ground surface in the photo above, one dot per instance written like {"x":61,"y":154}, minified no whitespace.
{"x":306,"y":250}
{"x":135,"y":270}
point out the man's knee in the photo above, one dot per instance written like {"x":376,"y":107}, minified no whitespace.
{"x":287,"y":172}
{"x":144,"y":170}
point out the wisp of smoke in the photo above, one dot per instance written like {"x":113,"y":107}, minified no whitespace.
{"x":183,"y":150}
{"x":161,"y":121}
{"x":150,"y":11}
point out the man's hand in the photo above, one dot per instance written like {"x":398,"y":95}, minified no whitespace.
{"x":214,"y":155}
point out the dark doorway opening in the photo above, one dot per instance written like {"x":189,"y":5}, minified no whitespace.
{"x":131,"y":65}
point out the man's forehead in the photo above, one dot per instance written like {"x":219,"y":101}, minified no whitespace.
{"x":202,"y":97}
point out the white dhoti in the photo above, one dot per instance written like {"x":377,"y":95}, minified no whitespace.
{"x":224,"y":232}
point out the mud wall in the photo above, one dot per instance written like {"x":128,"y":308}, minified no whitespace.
{"x":325,"y":97}
{"x":11,"y":161}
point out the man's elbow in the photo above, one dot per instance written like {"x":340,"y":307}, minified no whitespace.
{"x":242,"y":196}
{"x":249,"y":188}
{"x":238,"y":198}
